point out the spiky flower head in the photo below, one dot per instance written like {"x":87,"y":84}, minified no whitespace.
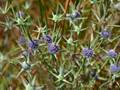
{"x":105,"y":34}
{"x":87,"y":52}
{"x":53,"y":48}
{"x":33,"y":44}
{"x":114,"y":68}
{"x":112,"y":53}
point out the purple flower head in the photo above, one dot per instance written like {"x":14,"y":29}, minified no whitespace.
{"x":87,"y":52}
{"x":47,"y":38}
{"x":33,"y":44}
{"x":105,"y":34}
{"x":75,"y":14}
{"x":22,"y":40}
{"x":53,"y":48}
{"x":112,"y":53}
{"x":114,"y":68}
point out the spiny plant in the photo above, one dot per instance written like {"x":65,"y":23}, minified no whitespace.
{"x":59,"y":45}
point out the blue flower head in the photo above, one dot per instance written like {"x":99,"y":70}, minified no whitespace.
{"x":105,"y":34}
{"x":87,"y":52}
{"x":114,"y":68}
{"x":112,"y":53}
{"x":33,"y":44}
{"x":53,"y":48}
{"x":47,"y":38}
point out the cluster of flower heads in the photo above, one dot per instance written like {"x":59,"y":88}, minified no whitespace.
{"x":52,"y":47}
{"x":88,"y":52}
{"x":33,"y":44}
